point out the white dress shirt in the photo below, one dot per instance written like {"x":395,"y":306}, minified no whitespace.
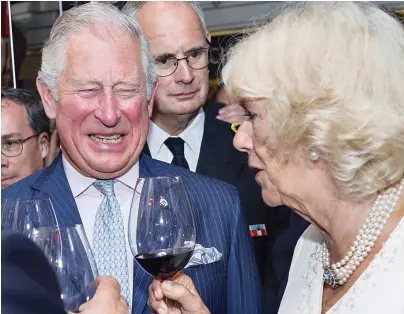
{"x":88,"y":199}
{"x":192,"y":137}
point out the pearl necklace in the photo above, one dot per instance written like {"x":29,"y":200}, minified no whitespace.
{"x":337,"y":274}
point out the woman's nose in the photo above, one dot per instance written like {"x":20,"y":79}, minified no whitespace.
{"x":243,"y":139}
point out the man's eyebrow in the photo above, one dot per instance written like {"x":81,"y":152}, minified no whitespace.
{"x":195,"y":48}
{"x":10,"y":135}
{"x":135,"y":82}
{"x":167,"y":54}
{"x":164,"y":55}
{"x":76,"y":81}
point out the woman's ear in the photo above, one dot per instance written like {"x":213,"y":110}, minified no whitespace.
{"x":48,"y":101}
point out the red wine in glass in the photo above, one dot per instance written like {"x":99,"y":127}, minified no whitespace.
{"x":164,"y":264}
{"x":161,"y":226}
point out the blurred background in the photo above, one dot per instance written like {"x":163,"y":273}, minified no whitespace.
{"x":31,"y":22}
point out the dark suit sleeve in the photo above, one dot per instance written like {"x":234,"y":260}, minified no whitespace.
{"x":243,"y":282}
{"x":28,"y":283}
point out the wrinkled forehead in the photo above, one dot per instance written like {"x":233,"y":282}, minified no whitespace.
{"x":104,"y":57}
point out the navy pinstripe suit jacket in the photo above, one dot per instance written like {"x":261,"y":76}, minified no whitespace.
{"x":231,"y":285}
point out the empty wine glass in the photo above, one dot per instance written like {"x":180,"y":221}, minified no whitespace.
{"x":69,"y":253}
{"x":161,"y":226}
{"x":24,"y":215}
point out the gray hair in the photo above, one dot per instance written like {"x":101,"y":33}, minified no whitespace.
{"x":89,"y":15}
{"x":132,"y":7}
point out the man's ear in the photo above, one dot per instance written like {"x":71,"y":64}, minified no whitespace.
{"x":208,"y":37}
{"x":44,"y":142}
{"x":48,"y":101}
{"x":151,"y":101}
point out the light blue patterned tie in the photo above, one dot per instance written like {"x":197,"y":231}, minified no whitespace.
{"x":109,"y":238}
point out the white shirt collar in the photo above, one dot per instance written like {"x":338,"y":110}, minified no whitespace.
{"x":192,"y":135}
{"x":79,"y":182}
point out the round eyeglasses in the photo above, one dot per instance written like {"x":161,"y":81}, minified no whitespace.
{"x":197,"y":59}
{"x":13,"y":148}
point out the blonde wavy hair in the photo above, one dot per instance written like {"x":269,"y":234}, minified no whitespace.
{"x":332,"y":78}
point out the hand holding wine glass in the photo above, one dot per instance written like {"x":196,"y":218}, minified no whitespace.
{"x":107,"y":298}
{"x":67,"y":249}
{"x":69,"y":253}
{"x":180,"y":289}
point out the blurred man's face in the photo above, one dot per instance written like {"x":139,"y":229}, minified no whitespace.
{"x":15,"y":127}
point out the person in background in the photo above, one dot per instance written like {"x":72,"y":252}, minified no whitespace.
{"x":25,"y":134}
{"x":326,"y":109}
{"x":97,"y":79}
{"x":181,"y":132}
{"x":226,"y":107}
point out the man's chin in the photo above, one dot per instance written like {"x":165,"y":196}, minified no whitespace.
{"x":5,"y":183}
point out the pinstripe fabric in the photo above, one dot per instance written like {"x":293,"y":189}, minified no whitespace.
{"x":231,"y":285}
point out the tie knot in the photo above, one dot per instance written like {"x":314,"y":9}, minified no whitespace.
{"x":175,"y":145}
{"x":106,"y":187}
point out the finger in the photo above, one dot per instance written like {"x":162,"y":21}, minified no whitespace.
{"x":232,"y":109}
{"x":234,"y":113}
{"x":180,"y":293}
{"x":107,"y":286}
{"x":159,"y":307}
{"x":155,"y":305}
{"x":123,"y":301}
{"x":84,"y":306}
{"x":155,"y":289}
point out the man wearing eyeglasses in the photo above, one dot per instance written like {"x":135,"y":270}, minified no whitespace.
{"x":25,"y":130}
{"x":182,"y":130}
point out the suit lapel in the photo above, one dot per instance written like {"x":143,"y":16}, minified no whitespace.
{"x":53,"y":184}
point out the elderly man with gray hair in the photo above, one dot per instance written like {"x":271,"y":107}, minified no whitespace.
{"x":97,"y":80}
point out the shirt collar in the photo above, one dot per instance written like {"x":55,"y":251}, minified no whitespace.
{"x":192,"y":135}
{"x":79,"y":182}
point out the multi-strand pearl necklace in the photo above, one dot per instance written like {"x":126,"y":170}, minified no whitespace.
{"x":337,"y":274}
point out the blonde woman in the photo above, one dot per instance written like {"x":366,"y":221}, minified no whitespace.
{"x":323,"y":88}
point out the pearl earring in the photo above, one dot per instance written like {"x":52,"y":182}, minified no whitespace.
{"x":313,"y":156}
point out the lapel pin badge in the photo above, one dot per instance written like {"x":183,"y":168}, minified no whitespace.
{"x":150,"y":202}
{"x":258,"y":230}
{"x":163,"y":202}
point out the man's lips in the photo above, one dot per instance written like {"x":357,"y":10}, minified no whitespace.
{"x":184,"y":95}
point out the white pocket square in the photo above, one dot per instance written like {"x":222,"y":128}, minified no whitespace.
{"x":202,"y":256}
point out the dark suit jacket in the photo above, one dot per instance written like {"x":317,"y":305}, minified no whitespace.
{"x":220,"y":160}
{"x":28,"y":284}
{"x":230,"y":285}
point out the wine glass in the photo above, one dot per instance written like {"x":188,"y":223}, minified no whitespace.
{"x":24,"y":215}
{"x":161,"y":226}
{"x":69,"y":253}
{"x":66,"y":249}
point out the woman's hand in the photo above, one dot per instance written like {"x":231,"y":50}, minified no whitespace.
{"x":232,"y":113}
{"x":181,"y":294}
{"x":107,"y":298}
